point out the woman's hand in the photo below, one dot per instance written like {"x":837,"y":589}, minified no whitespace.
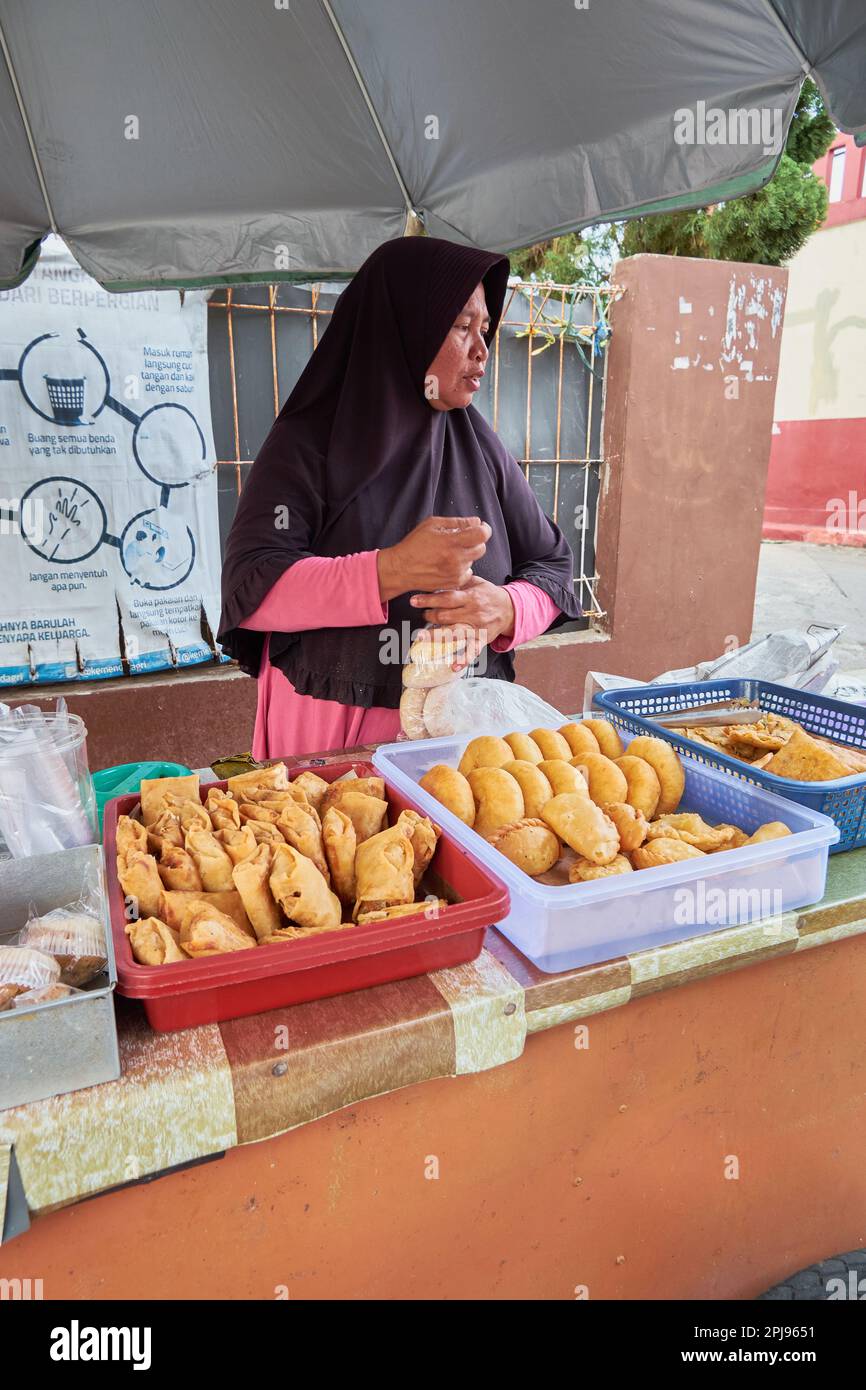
{"x":480,"y":611}
{"x":437,"y":554}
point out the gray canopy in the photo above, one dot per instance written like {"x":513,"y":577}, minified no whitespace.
{"x":194,"y":142}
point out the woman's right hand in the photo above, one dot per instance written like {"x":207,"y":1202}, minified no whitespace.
{"x":437,"y":554}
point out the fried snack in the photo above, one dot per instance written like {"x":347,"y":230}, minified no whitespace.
{"x":529,"y":843}
{"x":424,"y":674}
{"x":644,"y":788}
{"x":485,"y":751}
{"x":211,"y":860}
{"x":286,"y":933}
{"x":178,"y":870}
{"x":368,"y":786}
{"x":271,"y":796}
{"x":737,"y":839}
{"x":552,"y":744}
{"x":300,"y":889}
{"x":275,"y":777}
{"x":313,"y":787}
{"x":340,"y":841}
{"x":190,"y":813}
{"x":412,"y":711}
{"x":223,"y":810}
{"x":631,"y":824}
{"x":368,"y":814}
{"x":155,"y":790}
{"x":166,"y":830}
{"x":239,"y":844}
{"x":256,"y":811}
{"x":301,"y":827}
{"x":606,"y":736}
{"x":429,"y":907}
{"x":663,"y":851}
{"x":175,"y":904}
{"x":772,"y":830}
{"x":8,"y":993}
{"x":423,"y":836}
{"x":76,"y":940}
{"x":437,"y":644}
{"x":535,"y":786}
{"x":264,"y":833}
{"x":853,"y":758}
{"x":131,"y":834}
{"x":153,"y":943}
{"x":438,"y":712}
{"x":384,"y":872}
{"x":762,"y":761}
{"x":563,"y":776}
{"x":606,"y":781}
{"x":140,"y":880}
{"x":803,"y":759}
{"x":205,"y":931}
{"x":769,"y":735}
{"x":523,"y":748}
{"x":583,"y":825}
{"x":453,"y":790}
{"x":580,"y":739}
{"x":668,"y":768}
{"x":45,"y":994}
{"x":26,"y":968}
{"x":582,"y":871}
{"x":251,"y":878}
{"x":498,"y":798}
{"x":693,"y":829}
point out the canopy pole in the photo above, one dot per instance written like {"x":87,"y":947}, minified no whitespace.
{"x":27,"y":131}
{"x":410,"y":207}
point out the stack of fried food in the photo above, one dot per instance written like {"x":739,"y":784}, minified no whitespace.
{"x":571,"y":804}
{"x":781,"y":746}
{"x":268,"y":860}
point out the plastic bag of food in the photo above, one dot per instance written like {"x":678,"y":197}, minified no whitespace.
{"x":45,"y":994}
{"x":476,"y":702}
{"x":74,"y":937}
{"x":23,"y":968}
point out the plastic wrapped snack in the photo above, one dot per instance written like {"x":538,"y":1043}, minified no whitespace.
{"x":464,"y":705}
{"x":74,"y":938}
{"x":22,"y":968}
{"x":45,"y":994}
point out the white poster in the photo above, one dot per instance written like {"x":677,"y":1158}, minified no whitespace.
{"x":109,"y":541}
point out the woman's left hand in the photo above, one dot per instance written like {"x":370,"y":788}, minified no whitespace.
{"x":481,"y":609}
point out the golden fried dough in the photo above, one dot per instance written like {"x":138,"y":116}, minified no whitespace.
{"x":644,"y":788}
{"x":423,"y":836}
{"x":205,"y":931}
{"x":153,"y":943}
{"x":275,"y":777}
{"x":300,"y":826}
{"x":693,"y":829}
{"x":238,"y":844}
{"x":563,"y":776}
{"x":803,"y":759}
{"x":140,"y":881}
{"x":251,"y":878}
{"x":583,"y":825}
{"x":663,"y":851}
{"x":177,"y":869}
{"x":772,"y":830}
{"x":453,"y":790}
{"x":412,"y":711}
{"x":485,"y":751}
{"x":606,"y":781}
{"x":313,"y":787}
{"x":533,"y":783}
{"x":155,"y":790}
{"x":130,"y":834}
{"x":301,"y":890}
{"x":368,"y":814}
{"x":607,"y":737}
{"x":223,"y":810}
{"x":579,"y":739}
{"x":523,"y":748}
{"x":551,"y":743}
{"x":175,"y":904}
{"x":669,"y":770}
{"x":498,"y":798}
{"x":211,"y":860}
{"x":581,"y":871}
{"x":384,"y":872}
{"x":631,"y":824}
{"x":529,"y":843}
{"x":367,"y":786}
{"x":738,"y":838}
{"x":340,"y":841}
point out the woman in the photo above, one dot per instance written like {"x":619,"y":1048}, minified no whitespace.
{"x":382,"y":500}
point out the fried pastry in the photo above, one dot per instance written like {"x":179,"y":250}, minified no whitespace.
{"x":301,"y":890}
{"x":737,"y":838}
{"x":205,"y":931}
{"x":287,"y":933}
{"x":275,"y":777}
{"x":223,"y":810}
{"x":211,"y":860}
{"x":552,"y":744}
{"x":252,"y":880}
{"x":663,"y":851}
{"x":166,"y":830}
{"x":772,"y":830}
{"x":256,"y":811}
{"x":803,"y":759}
{"x":533,"y":783}
{"x":529,"y":843}
{"x":178,"y":870}
{"x":175,"y":904}
{"x":423,"y":836}
{"x":190,"y":813}
{"x":155,"y":790}
{"x":563,"y":776}
{"x":384,"y":872}
{"x":523,"y":748}
{"x":582,"y":871}
{"x":412,"y":711}
{"x":313,"y":787}
{"x":366,"y":786}
{"x":340,"y":841}
{"x":140,"y":881}
{"x":485,"y":751}
{"x":580,"y":739}
{"x":692,"y":828}
{"x":606,"y":736}
{"x":264,"y":833}
{"x":606,"y":781}
{"x":498,"y":798}
{"x":131,"y":834}
{"x":644,"y":788}
{"x":631,"y":824}
{"x":667,"y":766}
{"x":239,"y":844}
{"x":453,"y":790}
{"x":302,"y":828}
{"x":429,"y":907}
{"x":584,"y":826}
{"x":153,"y":943}
{"x":368,"y":814}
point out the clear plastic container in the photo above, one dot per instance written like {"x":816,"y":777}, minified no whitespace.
{"x":560,"y":928}
{"x":47,"y":802}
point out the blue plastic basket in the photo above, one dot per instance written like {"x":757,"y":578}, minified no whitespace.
{"x":842,"y":800}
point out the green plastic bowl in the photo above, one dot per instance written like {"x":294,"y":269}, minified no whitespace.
{"x":127,"y":778}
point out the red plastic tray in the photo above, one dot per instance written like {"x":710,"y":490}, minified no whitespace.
{"x":189,"y":993}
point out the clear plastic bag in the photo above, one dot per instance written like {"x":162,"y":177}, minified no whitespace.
{"x":476,"y":704}
{"x":46,"y":791}
{"x":74,"y":937}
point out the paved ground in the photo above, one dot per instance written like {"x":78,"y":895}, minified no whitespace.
{"x":801,"y":584}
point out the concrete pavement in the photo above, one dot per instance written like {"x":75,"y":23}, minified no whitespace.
{"x":800,"y":584}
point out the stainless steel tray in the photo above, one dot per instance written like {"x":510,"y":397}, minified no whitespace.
{"x":72,"y":1042}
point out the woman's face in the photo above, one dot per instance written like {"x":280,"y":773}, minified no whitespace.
{"x":455,"y":373}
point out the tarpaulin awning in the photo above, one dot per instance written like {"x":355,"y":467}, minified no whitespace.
{"x":212,"y":141}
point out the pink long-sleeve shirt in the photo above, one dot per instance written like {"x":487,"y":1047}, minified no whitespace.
{"x":343,"y":591}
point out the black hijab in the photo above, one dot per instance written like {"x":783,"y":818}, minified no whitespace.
{"x":357,"y":457}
